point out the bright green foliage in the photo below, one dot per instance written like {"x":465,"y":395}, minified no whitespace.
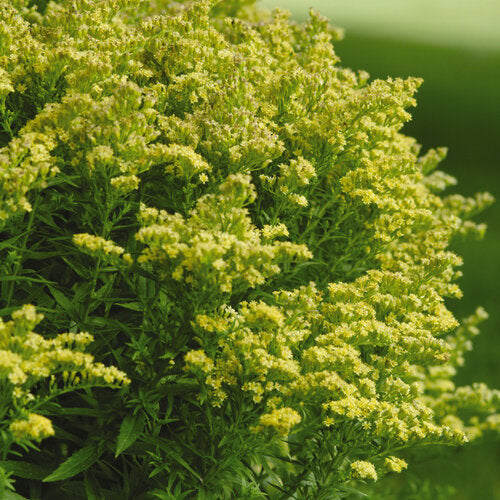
{"x":252,"y":242}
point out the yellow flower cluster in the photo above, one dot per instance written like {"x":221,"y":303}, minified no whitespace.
{"x":184,"y":161}
{"x":217,"y":246}
{"x":125,"y":183}
{"x":95,"y":245}
{"x":94,"y":128}
{"x":37,"y":69}
{"x":291,"y":179}
{"x":395,"y":464}
{"x":364,"y":470}
{"x":35,"y":427}
{"x":25,"y":163}
{"x":198,"y":360}
{"x":341,"y":369}
{"x":5,"y":86}
{"x":470,"y":409}
{"x":27,"y":358}
{"x":281,"y":420}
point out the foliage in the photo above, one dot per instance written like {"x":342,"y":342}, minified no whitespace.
{"x":261,"y":256}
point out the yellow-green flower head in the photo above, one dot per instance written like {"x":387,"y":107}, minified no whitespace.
{"x":395,"y":464}
{"x":95,"y":245}
{"x":198,"y":360}
{"x":364,"y":470}
{"x":282,"y":420}
{"x":27,"y":358}
{"x":34,"y":427}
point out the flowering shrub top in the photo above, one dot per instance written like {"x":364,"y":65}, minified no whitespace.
{"x":250,"y":238}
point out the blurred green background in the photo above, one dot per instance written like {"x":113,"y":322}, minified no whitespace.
{"x":455,"y":47}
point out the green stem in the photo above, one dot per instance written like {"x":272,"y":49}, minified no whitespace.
{"x":60,"y":392}
{"x":18,"y":264}
{"x":6,"y":122}
{"x":95,"y":276}
{"x":105,"y":232}
{"x":143,"y":302}
{"x":315,"y":220}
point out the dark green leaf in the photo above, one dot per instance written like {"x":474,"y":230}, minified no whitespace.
{"x":24,"y":469}
{"x":76,"y":463}
{"x":63,"y":301}
{"x":5,"y":311}
{"x":22,"y":278}
{"x":134,"y":306}
{"x":78,"y":268}
{"x":130,"y":430}
{"x":9,"y":243}
{"x":92,"y":488}
{"x":87,"y":412}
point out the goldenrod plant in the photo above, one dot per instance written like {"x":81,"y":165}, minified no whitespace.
{"x":249,"y":261}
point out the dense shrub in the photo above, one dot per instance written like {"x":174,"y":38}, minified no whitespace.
{"x":258,"y":254}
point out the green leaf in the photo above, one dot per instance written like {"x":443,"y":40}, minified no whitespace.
{"x":8,"y":310}
{"x":76,"y":463}
{"x":78,"y":268}
{"x":24,"y":469}
{"x":130,"y":430}
{"x":23,"y":278}
{"x":63,"y":301}
{"x":10,"y":242}
{"x":134,"y":306}
{"x":88,"y":412}
{"x":165,"y":446}
{"x":92,"y":488}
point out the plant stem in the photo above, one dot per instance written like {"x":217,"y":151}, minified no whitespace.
{"x":18,"y":264}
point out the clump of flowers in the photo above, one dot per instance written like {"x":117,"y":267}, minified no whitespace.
{"x":28,"y":360}
{"x":364,"y":470}
{"x":261,"y":256}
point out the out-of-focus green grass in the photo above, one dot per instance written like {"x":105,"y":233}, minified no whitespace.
{"x":458,"y":107}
